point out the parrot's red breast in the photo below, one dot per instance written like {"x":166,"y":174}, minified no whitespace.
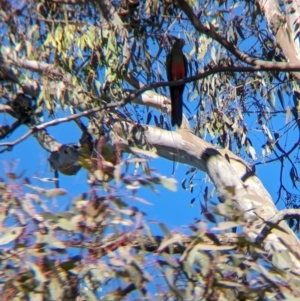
{"x":178,"y":70}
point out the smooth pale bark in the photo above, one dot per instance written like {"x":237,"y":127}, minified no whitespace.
{"x":233,"y":179}
{"x":284,"y":27}
{"x":155,"y":100}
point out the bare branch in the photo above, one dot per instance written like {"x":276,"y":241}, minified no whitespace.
{"x":9,"y":145}
{"x":283,"y":26}
{"x":37,"y":66}
{"x":8,"y":129}
{"x":274,"y":66}
{"x":264,"y":66}
{"x":210,"y":32}
{"x":58,"y":121}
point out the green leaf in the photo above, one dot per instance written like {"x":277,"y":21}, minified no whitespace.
{"x":225,"y":226}
{"x":164,"y":229}
{"x":207,"y":247}
{"x":271,"y":99}
{"x":39,"y":275}
{"x":55,"y":289}
{"x":33,"y":296}
{"x":53,"y":242}
{"x":66,"y":224}
{"x":55,"y":192}
{"x":281,"y":99}
{"x":166,"y":243}
{"x":230,"y":284}
{"x":10,"y":234}
{"x":169,"y":183}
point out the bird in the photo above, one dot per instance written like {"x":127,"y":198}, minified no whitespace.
{"x":176,"y":66}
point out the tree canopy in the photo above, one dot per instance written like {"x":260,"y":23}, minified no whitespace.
{"x":100,"y":65}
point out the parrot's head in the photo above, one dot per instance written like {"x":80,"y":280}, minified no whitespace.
{"x":179,"y":43}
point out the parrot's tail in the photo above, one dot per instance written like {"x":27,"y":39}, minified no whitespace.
{"x":176,"y":110}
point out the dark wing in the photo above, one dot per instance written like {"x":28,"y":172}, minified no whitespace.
{"x":168,"y":66}
{"x":185,"y":65}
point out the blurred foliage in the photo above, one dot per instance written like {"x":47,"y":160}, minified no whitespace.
{"x":99,"y":250}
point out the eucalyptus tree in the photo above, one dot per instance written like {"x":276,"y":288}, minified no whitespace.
{"x":105,"y":61}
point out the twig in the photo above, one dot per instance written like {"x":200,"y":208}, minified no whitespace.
{"x":286,"y":154}
{"x":60,"y":120}
{"x":274,"y":221}
{"x":210,"y":32}
{"x":270,"y":66}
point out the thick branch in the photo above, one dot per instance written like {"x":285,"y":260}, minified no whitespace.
{"x":274,"y":221}
{"x":233,"y":179}
{"x":37,"y":66}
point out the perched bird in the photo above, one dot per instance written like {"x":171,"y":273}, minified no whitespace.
{"x":176,"y":69}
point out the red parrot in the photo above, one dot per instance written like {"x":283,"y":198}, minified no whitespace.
{"x":176,"y":69}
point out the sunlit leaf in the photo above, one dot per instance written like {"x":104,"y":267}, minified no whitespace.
{"x":10,"y":234}
{"x":55,"y":192}
{"x":89,"y":295}
{"x":169,"y":183}
{"x":207,"y":247}
{"x":225,"y":226}
{"x":167,"y":243}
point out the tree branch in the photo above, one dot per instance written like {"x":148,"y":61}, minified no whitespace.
{"x":286,"y":154}
{"x":8,"y":129}
{"x":264,"y":66}
{"x":210,"y":32}
{"x":58,"y":121}
{"x":274,"y":221}
{"x":7,"y":109}
{"x":36,"y":66}
{"x":285,"y":214}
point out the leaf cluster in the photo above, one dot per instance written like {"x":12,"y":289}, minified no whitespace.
{"x":99,"y":250}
